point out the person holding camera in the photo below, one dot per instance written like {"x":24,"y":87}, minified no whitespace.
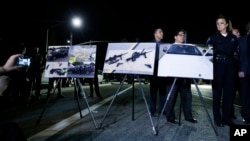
{"x":9,"y":66}
{"x":18,"y":89}
{"x":9,"y":130}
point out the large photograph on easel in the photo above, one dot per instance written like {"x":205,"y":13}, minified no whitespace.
{"x":71,"y":61}
{"x":185,"y":61}
{"x":130,"y":58}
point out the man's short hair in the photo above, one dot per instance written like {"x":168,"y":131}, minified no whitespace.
{"x":180,"y":30}
{"x":157,"y":29}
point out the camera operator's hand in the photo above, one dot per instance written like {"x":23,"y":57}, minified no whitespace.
{"x":11,"y":63}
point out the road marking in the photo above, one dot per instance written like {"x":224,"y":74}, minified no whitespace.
{"x":45,"y":134}
{"x":206,"y":87}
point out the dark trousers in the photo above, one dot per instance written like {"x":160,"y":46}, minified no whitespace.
{"x":186,"y":97}
{"x":19,"y":87}
{"x":238,"y":89}
{"x":93,"y":83}
{"x":170,"y":98}
{"x":51,"y":85}
{"x":96,"y":86}
{"x":157,"y":86}
{"x":182,"y":87}
{"x":36,"y":82}
{"x":91,"y":87}
{"x":245,"y":97}
{"x":223,"y":87}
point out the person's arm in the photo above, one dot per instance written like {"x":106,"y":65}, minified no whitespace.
{"x":10,"y":64}
{"x":242,"y":57}
{"x":43,"y":63}
{"x":2,"y":70}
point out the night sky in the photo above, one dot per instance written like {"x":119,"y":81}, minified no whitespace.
{"x":112,"y":22}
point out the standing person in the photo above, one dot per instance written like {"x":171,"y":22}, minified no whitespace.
{"x":157,"y":83}
{"x":95,"y":79}
{"x":93,"y":84}
{"x":19,"y":81}
{"x":224,"y":68}
{"x":247,"y":119}
{"x":182,"y":86}
{"x":35,"y":71}
{"x":59,"y":87}
{"x":238,"y":78}
{"x":17,"y":88}
{"x":244,"y":75}
{"x":96,"y":86}
{"x":91,"y":87}
{"x":10,"y":130}
{"x":236,"y":32}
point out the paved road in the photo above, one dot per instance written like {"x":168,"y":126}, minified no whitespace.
{"x":127,"y":118}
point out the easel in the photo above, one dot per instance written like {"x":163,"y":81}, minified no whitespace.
{"x":133,"y":97}
{"x":76,"y":80}
{"x":116,"y":94}
{"x":77,"y":93}
{"x":201,"y":99}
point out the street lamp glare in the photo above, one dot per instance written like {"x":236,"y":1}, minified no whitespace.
{"x":77,"y":22}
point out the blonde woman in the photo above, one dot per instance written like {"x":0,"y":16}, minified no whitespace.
{"x":224,"y":46}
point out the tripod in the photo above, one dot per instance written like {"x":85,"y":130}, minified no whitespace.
{"x":116,"y":94}
{"x":201,"y":99}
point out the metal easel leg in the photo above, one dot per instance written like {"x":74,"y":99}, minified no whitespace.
{"x":169,"y":95}
{"x":76,"y":91}
{"x":112,"y":101}
{"x":47,"y":102}
{"x":86,"y":101}
{"x":181,"y":101}
{"x":204,"y":105}
{"x":147,"y":107}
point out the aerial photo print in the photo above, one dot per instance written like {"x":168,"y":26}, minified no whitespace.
{"x":71,"y":61}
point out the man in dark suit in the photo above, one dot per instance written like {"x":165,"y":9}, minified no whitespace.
{"x":157,"y":83}
{"x":182,"y":86}
{"x":244,"y":74}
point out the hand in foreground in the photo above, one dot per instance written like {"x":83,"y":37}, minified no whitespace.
{"x":11,"y":63}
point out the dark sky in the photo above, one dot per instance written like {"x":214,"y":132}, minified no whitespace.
{"x":106,"y":21}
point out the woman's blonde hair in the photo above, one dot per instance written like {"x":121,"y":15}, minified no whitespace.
{"x":230,"y":26}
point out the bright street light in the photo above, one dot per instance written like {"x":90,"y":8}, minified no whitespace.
{"x":76,"y":22}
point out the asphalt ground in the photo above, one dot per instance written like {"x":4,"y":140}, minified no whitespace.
{"x":126,"y":118}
